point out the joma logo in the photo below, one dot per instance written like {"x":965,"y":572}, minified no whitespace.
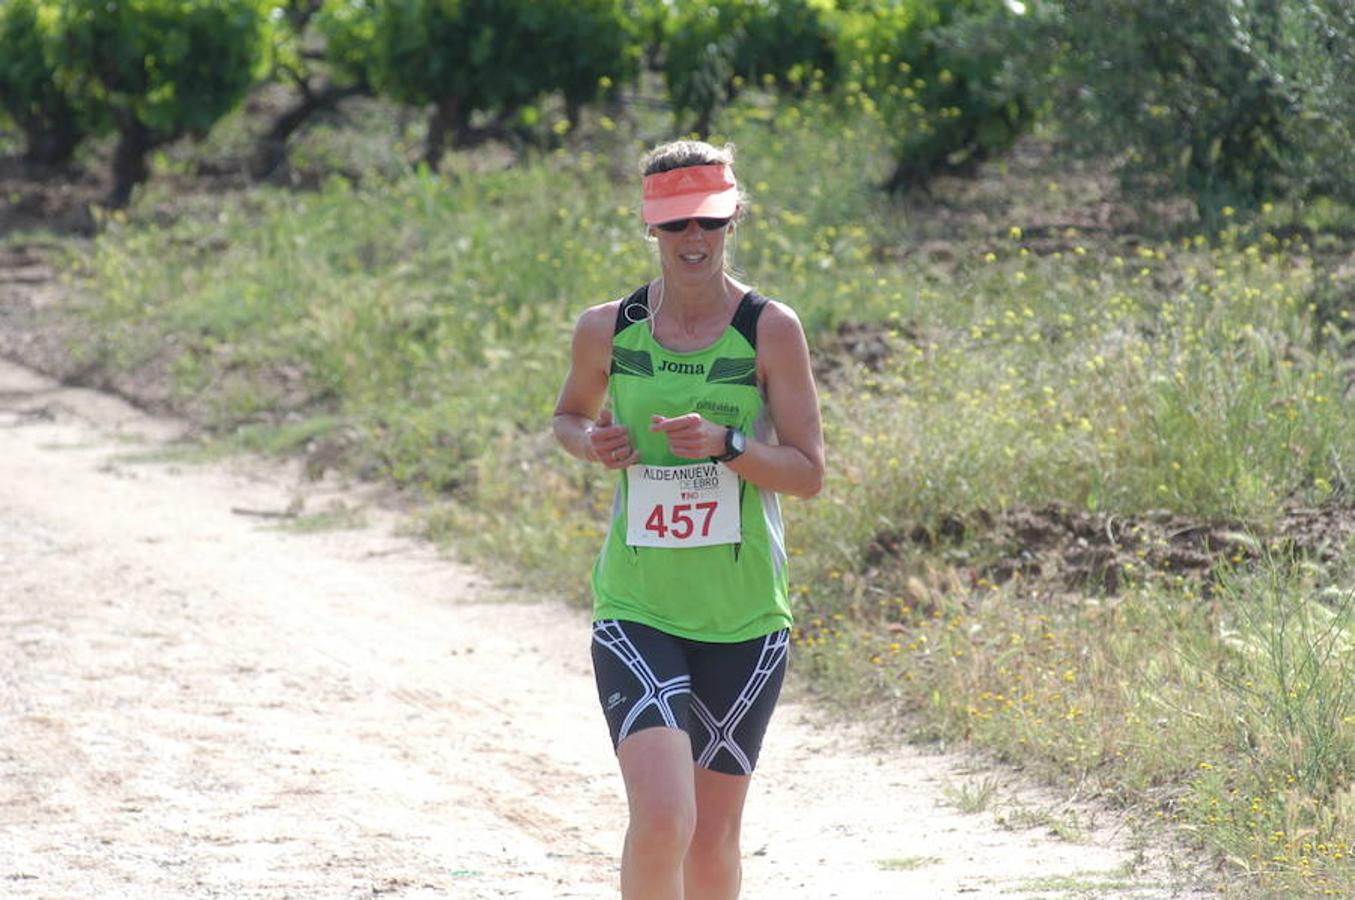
{"x":682,"y":368}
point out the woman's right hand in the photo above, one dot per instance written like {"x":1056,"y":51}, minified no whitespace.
{"x":582,"y":423}
{"x":610,"y":444}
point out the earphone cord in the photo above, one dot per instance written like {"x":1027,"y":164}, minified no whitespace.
{"x":650,"y":311}
{"x":654,"y":310}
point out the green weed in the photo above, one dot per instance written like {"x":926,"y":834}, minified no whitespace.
{"x":973,"y":796}
{"x":908,"y":863}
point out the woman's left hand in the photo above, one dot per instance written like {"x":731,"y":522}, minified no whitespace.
{"x":691,"y":436}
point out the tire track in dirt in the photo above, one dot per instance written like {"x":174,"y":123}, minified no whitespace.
{"x":195,"y":704}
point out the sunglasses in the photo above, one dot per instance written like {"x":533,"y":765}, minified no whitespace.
{"x":678,"y":226}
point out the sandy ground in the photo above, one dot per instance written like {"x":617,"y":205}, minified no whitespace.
{"x":195,"y":702}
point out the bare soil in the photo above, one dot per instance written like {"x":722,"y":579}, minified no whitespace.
{"x":37,"y":198}
{"x":196,"y":702}
{"x":1057,"y":550}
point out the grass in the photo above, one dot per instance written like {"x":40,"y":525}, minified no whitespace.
{"x":187,"y":452}
{"x":1023,"y":818}
{"x":973,"y":796}
{"x":1095,"y":883}
{"x":339,"y":517}
{"x":908,"y":863}
{"x":1020,"y":354}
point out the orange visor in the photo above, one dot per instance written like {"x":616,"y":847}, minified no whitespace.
{"x":703,"y":191}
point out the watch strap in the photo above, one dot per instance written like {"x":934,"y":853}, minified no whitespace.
{"x":732,"y":435}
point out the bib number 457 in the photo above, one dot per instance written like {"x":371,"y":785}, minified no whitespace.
{"x":679,"y":521}
{"x":682,"y":506}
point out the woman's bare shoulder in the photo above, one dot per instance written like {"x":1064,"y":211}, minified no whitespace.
{"x":779,"y":324}
{"x":598,"y":320}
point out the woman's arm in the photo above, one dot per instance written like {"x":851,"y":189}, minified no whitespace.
{"x":583,"y":428}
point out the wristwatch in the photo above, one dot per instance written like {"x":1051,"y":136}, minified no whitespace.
{"x":735,"y":443}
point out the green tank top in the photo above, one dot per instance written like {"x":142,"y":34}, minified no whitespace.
{"x":720,"y":593}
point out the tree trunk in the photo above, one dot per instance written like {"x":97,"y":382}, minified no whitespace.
{"x":701,"y":128}
{"x":445,"y":120}
{"x":573,"y":113}
{"x":907,"y":176}
{"x":271,"y":151}
{"x":135,"y":142}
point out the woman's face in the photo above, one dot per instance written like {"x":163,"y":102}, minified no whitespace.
{"x":692,"y":256}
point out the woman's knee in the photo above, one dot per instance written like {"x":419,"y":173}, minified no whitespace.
{"x":657,"y":766}
{"x":662,"y":828}
{"x":715,"y":840}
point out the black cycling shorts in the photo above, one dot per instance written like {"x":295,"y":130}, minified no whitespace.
{"x":722,"y":695}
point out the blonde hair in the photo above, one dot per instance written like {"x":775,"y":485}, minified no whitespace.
{"x":680,"y":154}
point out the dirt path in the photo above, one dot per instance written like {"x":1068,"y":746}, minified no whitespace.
{"x":195,"y":703}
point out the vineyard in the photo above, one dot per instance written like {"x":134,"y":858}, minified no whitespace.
{"x":1077,"y":278}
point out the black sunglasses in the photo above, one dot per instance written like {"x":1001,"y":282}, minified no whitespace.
{"x":679,"y":225}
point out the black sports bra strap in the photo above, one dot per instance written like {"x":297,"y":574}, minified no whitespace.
{"x":633,"y":309}
{"x":746,"y":316}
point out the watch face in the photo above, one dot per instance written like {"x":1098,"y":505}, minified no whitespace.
{"x":737,"y":441}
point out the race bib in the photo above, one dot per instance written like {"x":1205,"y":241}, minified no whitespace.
{"x":682,"y":506}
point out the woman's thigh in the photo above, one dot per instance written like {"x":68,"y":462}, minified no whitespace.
{"x":734,"y":689}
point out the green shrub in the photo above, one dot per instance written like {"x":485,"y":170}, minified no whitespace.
{"x":496,"y":56}
{"x":1312,"y":52}
{"x":160,"y":69}
{"x":448,"y":53}
{"x":344,"y":29}
{"x":584,"y":47}
{"x":348,"y":28}
{"x":1181,"y":90}
{"x":711,"y":47}
{"x":648,"y":22}
{"x":1230,"y":102}
{"x":931,"y":72}
{"x":29,"y":91}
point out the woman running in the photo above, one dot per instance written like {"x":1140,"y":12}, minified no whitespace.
{"x":698,"y":391}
